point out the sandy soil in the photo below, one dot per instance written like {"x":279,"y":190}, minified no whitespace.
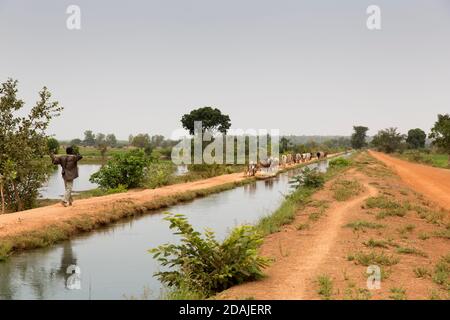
{"x":35,"y":219}
{"x":430,"y":181}
{"x":301,"y":255}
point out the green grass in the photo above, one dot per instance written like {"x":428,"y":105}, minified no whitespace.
{"x":302,"y":226}
{"x":345,"y":189}
{"x":285,"y":214}
{"x":372,"y":243}
{"x":414,"y":251}
{"x":398,"y":294}
{"x":395,"y":212}
{"x":422,"y":272}
{"x":444,"y":234}
{"x":352,"y":293}
{"x":182,"y":293}
{"x":423,"y":236}
{"x":325,"y":289}
{"x":382,"y":202}
{"x":439,"y":160}
{"x":434,"y":295}
{"x":406,"y":229}
{"x":441,"y":273}
{"x":376,"y":258}
{"x":362,"y":224}
{"x":431,"y":216}
{"x":294,"y":202}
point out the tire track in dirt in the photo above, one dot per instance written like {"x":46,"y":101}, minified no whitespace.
{"x":288,"y":277}
{"x":429,"y":181}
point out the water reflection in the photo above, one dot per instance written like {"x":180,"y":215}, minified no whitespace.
{"x":114,"y":260}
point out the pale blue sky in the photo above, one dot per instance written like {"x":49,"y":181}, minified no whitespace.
{"x":305,"y":67}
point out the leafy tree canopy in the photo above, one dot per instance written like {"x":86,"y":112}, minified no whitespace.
{"x":416,"y":138}
{"x":388,"y":140}
{"x":358,"y":139}
{"x":23,"y":145}
{"x":440,"y":133}
{"x":212,"y":120}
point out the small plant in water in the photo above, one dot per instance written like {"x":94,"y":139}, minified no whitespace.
{"x":310,"y":178}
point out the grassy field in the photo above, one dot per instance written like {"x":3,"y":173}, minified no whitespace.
{"x":434,"y":159}
{"x":93,"y":155}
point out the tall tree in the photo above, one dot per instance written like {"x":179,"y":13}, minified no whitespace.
{"x":285,"y":144}
{"x":440,"y":134}
{"x":157,"y":140}
{"x":416,"y":138}
{"x":388,"y":140}
{"x":111,"y":140}
{"x":212,"y":120}
{"x":101,"y":145}
{"x":89,"y":138}
{"x":23,"y":145}
{"x":76,"y":142}
{"x":100,"y":138}
{"x":358,"y":139}
{"x":141,"y":141}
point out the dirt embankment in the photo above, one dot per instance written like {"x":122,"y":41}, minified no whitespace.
{"x":366,"y":216}
{"x":430,"y":181}
{"x":40,"y":218}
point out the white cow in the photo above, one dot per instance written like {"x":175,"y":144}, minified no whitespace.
{"x":252,"y":169}
{"x":283,"y":160}
{"x":274,"y":163}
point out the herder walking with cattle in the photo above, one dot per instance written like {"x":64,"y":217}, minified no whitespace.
{"x":69,"y":172}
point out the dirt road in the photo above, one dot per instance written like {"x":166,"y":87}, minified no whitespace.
{"x":429,"y":181}
{"x":36,"y":219}
{"x":298,"y":258}
{"x":326,"y":255}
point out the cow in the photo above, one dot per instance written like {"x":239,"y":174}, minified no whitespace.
{"x":306,"y":156}
{"x":321,"y":154}
{"x":289,"y":158}
{"x":298,"y":158}
{"x":252,"y":168}
{"x":270,"y":164}
{"x":283,"y":160}
{"x":274,"y":164}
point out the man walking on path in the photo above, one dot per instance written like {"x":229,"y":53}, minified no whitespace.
{"x":69,"y":172}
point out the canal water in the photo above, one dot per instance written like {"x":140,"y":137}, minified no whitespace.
{"x":114,"y":263}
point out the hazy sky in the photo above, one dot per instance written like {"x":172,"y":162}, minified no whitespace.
{"x":305,"y":67}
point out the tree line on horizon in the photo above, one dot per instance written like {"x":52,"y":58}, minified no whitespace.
{"x":25,"y":143}
{"x":390,"y":140}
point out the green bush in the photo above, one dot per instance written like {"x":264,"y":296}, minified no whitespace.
{"x":127,"y":170}
{"x":205,"y":265}
{"x":310,"y":178}
{"x":159,"y":173}
{"x":339,"y":162}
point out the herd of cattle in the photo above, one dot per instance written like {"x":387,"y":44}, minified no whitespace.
{"x":272,"y":163}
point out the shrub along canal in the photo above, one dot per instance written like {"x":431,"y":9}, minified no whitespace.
{"x":114,"y":263}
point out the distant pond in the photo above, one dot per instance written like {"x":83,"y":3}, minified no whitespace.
{"x":54,"y":188}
